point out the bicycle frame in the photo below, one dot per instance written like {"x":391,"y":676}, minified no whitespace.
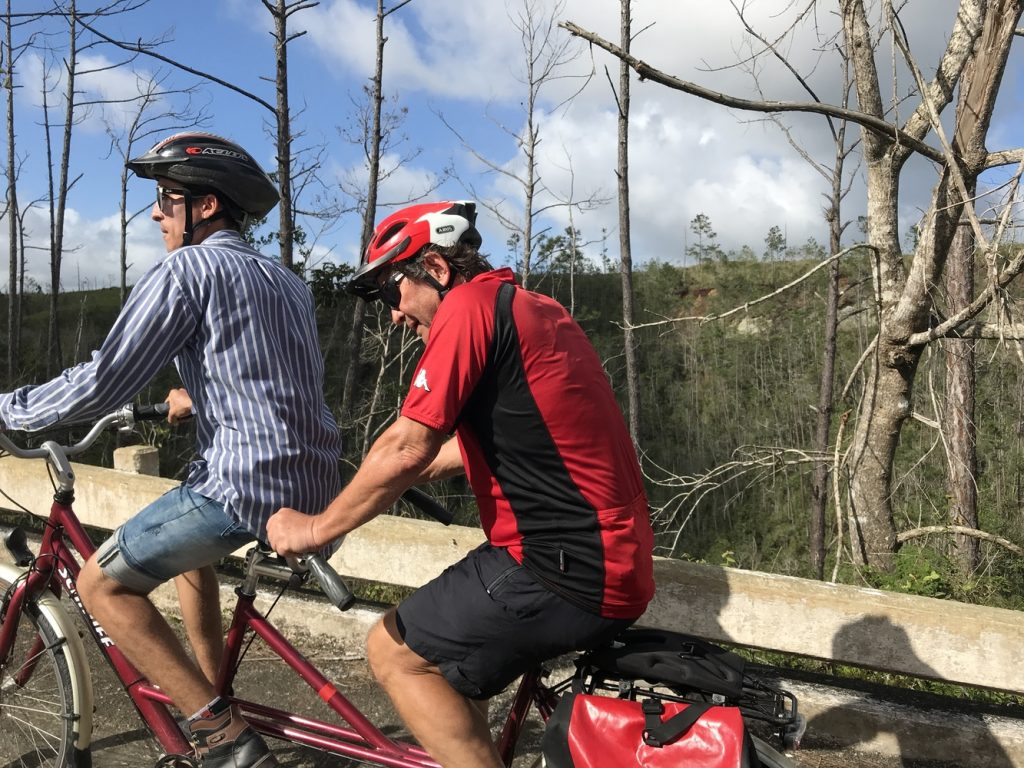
{"x":362,"y":740}
{"x":56,"y":569}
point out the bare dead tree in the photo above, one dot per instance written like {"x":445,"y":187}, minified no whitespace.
{"x":59,"y":196}
{"x":979,"y":39}
{"x":58,"y":205}
{"x":392,"y":350}
{"x":838,"y":187}
{"x":282,"y":119}
{"x":281,"y":11}
{"x":374,"y":132}
{"x":10,"y":57}
{"x":625,"y":247}
{"x":958,"y":425}
{"x":13,"y":297}
{"x":547,"y":60}
{"x":141,"y":126}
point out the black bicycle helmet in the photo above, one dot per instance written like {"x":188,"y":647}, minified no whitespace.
{"x":206,"y":163}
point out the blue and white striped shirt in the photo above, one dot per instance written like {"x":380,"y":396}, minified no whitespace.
{"x":242,"y":332}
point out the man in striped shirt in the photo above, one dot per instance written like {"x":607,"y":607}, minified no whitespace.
{"x":242,"y":333}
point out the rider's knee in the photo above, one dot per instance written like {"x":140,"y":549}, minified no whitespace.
{"x":387,"y":653}
{"x":380,"y":649}
{"x":92,"y":584}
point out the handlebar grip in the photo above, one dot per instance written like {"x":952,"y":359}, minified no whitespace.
{"x":331,"y":582}
{"x":155,"y":412}
{"x":428,"y":505}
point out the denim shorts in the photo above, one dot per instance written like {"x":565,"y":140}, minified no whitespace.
{"x":179,"y":532}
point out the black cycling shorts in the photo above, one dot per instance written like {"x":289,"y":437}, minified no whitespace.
{"x":486,"y":620}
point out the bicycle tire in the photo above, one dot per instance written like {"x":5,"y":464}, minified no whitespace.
{"x":37,"y":719}
{"x":769,"y":757}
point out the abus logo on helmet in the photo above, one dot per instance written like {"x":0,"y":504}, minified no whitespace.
{"x":445,"y":229}
{"x":219,"y":151}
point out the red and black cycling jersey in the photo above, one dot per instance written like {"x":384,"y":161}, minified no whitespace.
{"x":546,"y":449}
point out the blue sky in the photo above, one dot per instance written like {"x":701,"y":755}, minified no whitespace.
{"x":688,"y":156}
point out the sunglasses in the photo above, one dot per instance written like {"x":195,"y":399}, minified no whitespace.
{"x":163,"y":192}
{"x":389,"y":291}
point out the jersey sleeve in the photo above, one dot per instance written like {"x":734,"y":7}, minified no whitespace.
{"x":454,"y":359}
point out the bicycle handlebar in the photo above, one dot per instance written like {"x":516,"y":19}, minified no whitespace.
{"x":333,"y":585}
{"x":57,"y":455}
{"x":428,"y":505}
{"x":154,"y":412}
{"x":122,"y":418}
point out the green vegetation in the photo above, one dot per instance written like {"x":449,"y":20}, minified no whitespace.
{"x":736,"y":393}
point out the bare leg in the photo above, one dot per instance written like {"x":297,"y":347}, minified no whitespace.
{"x":199,"y":595}
{"x":145,"y":638}
{"x":452,"y":728}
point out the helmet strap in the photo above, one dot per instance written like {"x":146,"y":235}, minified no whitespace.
{"x":442,"y":290}
{"x":190,"y":228}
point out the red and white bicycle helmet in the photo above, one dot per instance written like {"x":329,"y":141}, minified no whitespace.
{"x":404,"y":234}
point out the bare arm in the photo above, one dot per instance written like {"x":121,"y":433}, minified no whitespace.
{"x":396,"y":461}
{"x":447,"y":463}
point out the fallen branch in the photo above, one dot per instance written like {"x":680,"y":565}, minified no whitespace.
{"x":761,"y":299}
{"x":963,"y":530}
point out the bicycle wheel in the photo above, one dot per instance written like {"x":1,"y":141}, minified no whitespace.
{"x":37,"y":714}
{"x":769,"y":757}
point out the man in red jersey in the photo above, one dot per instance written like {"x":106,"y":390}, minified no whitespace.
{"x":567,"y":562}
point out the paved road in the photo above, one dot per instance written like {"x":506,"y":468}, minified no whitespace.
{"x":121,"y":741}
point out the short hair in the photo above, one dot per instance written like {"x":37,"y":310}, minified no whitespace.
{"x":461,"y":257}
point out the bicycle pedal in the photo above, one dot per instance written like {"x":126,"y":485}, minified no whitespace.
{"x":177,"y":761}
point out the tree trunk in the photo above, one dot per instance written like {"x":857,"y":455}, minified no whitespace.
{"x":958,"y":416}
{"x":979,"y":86}
{"x":286,"y":231}
{"x":823,"y":427}
{"x":980,"y":44}
{"x":355,"y":338}
{"x":13,"y":295}
{"x":55,"y":358}
{"x":625,"y":248}
{"x":123,"y":238}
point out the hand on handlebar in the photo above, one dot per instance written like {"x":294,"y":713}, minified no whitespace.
{"x":290,"y":532}
{"x":181,"y":406}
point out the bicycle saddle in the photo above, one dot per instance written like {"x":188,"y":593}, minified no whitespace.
{"x":660,"y":656}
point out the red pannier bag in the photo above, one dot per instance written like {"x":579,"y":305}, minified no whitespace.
{"x":587,"y":731}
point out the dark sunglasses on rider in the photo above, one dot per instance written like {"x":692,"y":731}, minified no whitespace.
{"x":389,"y":291}
{"x":163,"y":192}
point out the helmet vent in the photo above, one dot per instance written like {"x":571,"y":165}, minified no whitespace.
{"x":390,"y":232}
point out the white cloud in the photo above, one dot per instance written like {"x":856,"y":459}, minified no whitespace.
{"x":90,"y":250}
{"x":106,"y":94}
{"x":688,"y":156}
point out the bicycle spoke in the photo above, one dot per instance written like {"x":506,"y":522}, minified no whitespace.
{"x":42,"y":744}
{"x":36,"y":718}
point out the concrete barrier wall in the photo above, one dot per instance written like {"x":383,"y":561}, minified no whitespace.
{"x":919,"y":636}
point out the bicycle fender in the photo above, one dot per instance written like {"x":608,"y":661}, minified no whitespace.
{"x":78,"y":664}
